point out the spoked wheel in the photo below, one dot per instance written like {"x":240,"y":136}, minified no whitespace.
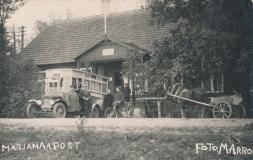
{"x":222,"y":110}
{"x":239,"y":111}
{"x":131,"y":113}
{"x":59,"y":110}
{"x":108,"y":112}
{"x":111,"y":113}
{"x":95,"y":112}
{"x":32,"y":110}
{"x":243,"y":111}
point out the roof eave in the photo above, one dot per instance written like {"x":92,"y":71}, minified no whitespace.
{"x":40,"y":64}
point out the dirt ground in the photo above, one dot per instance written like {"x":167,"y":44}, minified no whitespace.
{"x":120,"y":139}
{"x":121,"y":124}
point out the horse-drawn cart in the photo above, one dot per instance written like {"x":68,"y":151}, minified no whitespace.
{"x":226,"y":106}
{"x":220,"y":106}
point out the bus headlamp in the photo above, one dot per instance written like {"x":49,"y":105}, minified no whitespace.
{"x":51,"y":102}
{"x":39,"y":102}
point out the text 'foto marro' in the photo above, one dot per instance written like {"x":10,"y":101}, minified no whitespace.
{"x":223,"y":148}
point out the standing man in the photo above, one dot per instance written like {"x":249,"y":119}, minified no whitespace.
{"x":84,"y":100}
{"x":118,"y":98}
{"x":108,"y":100}
{"x":126,"y":92}
{"x":73,"y":98}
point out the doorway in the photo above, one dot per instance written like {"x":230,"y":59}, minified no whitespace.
{"x":118,"y":80}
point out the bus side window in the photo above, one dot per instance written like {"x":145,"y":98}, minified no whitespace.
{"x":61,"y":82}
{"x":74,"y":83}
{"x":86,"y":83}
{"x":53,"y":84}
{"x":79,"y":83}
{"x":103,"y":88}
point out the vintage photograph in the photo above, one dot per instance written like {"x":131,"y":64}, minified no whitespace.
{"x":126,"y":79}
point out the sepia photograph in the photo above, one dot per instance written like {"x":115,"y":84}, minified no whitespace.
{"x":126,"y":80}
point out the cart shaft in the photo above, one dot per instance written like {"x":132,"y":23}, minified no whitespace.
{"x":190,"y":100}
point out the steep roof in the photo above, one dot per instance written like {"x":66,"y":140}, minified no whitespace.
{"x":64,"y":40}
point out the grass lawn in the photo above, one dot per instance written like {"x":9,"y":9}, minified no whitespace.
{"x":167,"y":143}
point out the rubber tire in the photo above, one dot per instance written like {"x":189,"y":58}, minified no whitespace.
{"x":108,"y":111}
{"x":97,"y":111}
{"x":130,"y":113}
{"x":29,"y":108}
{"x":239,"y":111}
{"x":55,"y":110}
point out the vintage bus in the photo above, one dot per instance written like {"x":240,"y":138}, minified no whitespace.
{"x":58,"y":97}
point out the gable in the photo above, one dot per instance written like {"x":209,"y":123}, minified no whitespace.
{"x":105,"y":52}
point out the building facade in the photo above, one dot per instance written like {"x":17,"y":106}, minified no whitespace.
{"x":81,"y":43}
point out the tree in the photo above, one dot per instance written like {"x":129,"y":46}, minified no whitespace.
{"x":7,"y":7}
{"x":211,"y":37}
{"x":22,"y":85}
{"x":219,"y":36}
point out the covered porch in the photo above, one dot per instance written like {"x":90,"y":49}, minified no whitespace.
{"x":106,"y":58}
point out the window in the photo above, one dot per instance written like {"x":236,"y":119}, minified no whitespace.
{"x":93,"y":86}
{"x":93,"y":77}
{"x":61,"y":82}
{"x":79,"y":83}
{"x":41,"y":76}
{"x":86,"y":83}
{"x":53,"y":84}
{"x":74,"y":83}
{"x":103,"y":88}
{"x":99,"y":87}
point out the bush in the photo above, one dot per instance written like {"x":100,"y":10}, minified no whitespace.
{"x":22,"y":85}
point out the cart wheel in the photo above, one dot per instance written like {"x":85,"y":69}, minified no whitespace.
{"x":95,"y":113}
{"x":222,"y":110}
{"x":59,"y":110}
{"x":32,"y":110}
{"x":243,"y":111}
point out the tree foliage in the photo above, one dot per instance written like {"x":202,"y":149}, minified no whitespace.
{"x":7,"y":7}
{"x":18,"y":78}
{"x":22,"y":85}
{"x":210,"y":37}
{"x":218,"y":32}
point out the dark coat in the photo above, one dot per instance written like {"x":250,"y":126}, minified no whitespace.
{"x":108,"y":101}
{"x":118,"y":96}
{"x":126,"y":93}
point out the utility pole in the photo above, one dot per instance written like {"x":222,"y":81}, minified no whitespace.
{"x":14,"y":40}
{"x":106,"y":10}
{"x":22,"y":35}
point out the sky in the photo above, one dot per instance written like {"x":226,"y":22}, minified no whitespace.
{"x":47,"y":10}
